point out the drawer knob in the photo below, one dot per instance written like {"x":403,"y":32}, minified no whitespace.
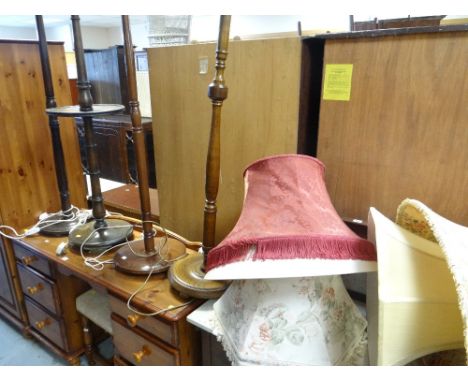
{"x":35,"y":289}
{"x":132,"y":319}
{"x":26,"y":260}
{"x":42,"y":324}
{"x":138,"y":356}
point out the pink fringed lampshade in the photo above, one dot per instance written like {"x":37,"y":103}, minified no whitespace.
{"x":288,"y":227}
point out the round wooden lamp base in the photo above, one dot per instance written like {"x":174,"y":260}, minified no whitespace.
{"x":187,"y":277}
{"x":133,"y":258}
{"x":92,"y":239}
{"x":58,"y":224}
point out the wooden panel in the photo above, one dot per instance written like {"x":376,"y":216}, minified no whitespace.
{"x":32,"y":259}
{"x":126,"y":200}
{"x":120,"y":361}
{"x":103,"y":73}
{"x":128,"y":342}
{"x":161,"y":329}
{"x":113,"y":158}
{"x":73,"y":91}
{"x":111,"y":142}
{"x":11,"y":296}
{"x":39,"y":289}
{"x":259,"y":118}
{"x":69,"y":288}
{"x":27,"y":175}
{"x":115,"y":151}
{"x":44,"y":323}
{"x":404,"y":131}
{"x":213,"y":353}
{"x":6,"y":287}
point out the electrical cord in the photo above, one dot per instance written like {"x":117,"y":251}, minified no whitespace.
{"x":94,"y":262}
{"x":73,"y":213}
{"x":159,"y":250}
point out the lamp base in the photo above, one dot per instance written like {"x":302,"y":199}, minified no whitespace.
{"x":132,"y":258}
{"x":93,"y":239}
{"x":59,"y":228}
{"x":187,"y":277}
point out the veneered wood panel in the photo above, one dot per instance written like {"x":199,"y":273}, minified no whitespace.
{"x":404,"y":133}
{"x":6,"y":287}
{"x":11,"y":295}
{"x":27,"y":175}
{"x":258,"y":118}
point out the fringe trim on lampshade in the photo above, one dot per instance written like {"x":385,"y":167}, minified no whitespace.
{"x":452,"y":239}
{"x":327,"y":247}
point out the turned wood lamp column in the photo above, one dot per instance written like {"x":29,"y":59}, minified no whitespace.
{"x":101,"y":233}
{"x":187,"y":275}
{"x":60,"y":223}
{"x":142,"y":257}
{"x":85,"y":101}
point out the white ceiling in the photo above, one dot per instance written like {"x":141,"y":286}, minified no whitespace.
{"x":107,"y":21}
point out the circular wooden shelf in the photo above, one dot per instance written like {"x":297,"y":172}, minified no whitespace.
{"x":74,"y":110}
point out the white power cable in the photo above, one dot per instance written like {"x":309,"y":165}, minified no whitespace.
{"x":73,"y":212}
{"x":94,"y":262}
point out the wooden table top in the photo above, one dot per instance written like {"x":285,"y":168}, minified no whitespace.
{"x":157,"y":294}
{"x":126,"y":199}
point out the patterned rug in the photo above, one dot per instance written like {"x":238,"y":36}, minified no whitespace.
{"x":453,"y":240}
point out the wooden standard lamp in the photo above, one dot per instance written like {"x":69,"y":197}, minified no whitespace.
{"x":187,"y":275}
{"x":142,"y":257}
{"x":60,"y":223}
{"x":101,"y":233}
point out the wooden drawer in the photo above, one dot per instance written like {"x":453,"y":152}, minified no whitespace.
{"x":44,"y":323}
{"x":120,"y":361}
{"x":39,"y":289}
{"x":137,"y":347}
{"x":153,"y":325}
{"x":31,"y":259}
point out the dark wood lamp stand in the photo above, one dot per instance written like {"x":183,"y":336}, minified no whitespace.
{"x":100,"y":233}
{"x":142,"y":257}
{"x":60,"y":223}
{"x":187,"y":275}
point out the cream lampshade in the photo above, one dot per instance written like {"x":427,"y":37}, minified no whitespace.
{"x":412,"y":302}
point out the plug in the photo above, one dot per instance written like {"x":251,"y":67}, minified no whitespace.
{"x":32,"y":231}
{"x":60,"y":250}
{"x":43,"y":216}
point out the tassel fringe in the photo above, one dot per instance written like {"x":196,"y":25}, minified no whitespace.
{"x":296,"y":247}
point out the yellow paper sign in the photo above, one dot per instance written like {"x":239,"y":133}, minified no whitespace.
{"x":337,"y":84}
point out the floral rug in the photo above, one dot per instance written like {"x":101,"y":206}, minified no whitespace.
{"x":453,"y":240}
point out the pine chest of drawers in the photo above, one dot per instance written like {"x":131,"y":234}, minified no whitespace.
{"x":49,"y":298}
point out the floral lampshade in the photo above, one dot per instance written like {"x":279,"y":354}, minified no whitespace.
{"x":294,"y":321}
{"x":288,"y":227}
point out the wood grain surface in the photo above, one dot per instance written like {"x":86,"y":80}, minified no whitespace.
{"x":404,"y":133}
{"x":259,"y":118}
{"x":27,"y":176}
{"x":156,"y":295}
